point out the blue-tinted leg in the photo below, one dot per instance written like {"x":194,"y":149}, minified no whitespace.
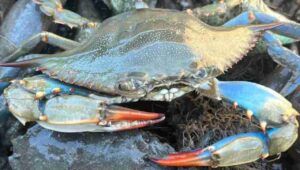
{"x":289,"y":29}
{"x":45,"y":87}
{"x":284,"y":57}
{"x":280,"y":54}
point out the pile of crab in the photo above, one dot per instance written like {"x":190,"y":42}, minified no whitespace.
{"x":151,"y":54}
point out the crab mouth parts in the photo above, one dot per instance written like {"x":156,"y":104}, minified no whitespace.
{"x":168,"y":93}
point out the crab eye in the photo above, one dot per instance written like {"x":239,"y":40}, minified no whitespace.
{"x":201,"y":73}
{"x":131,"y":88}
{"x":130,"y":85}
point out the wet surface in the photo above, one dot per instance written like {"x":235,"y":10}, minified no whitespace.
{"x":40,"y":148}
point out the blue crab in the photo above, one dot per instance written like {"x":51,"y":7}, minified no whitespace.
{"x":157,"y":55}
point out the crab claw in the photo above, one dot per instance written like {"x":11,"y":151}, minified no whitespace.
{"x":266,"y":105}
{"x":88,"y":116}
{"x":126,"y":118}
{"x":183,"y":159}
{"x":73,"y":112}
{"x":233,"y":150}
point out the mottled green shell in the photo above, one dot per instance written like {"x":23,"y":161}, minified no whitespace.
{"x":152,"y":46}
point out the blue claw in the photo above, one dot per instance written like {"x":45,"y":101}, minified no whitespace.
{"x":281,"y":139}
{"x":233,"y":150}
{"x":267,"y":106}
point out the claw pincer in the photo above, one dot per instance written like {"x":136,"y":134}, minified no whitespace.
{"x":67,"y":108}
{"x":230,"y":151}
{"x":273,"y":112}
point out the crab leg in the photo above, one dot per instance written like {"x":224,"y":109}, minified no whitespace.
{"x":280,"y":54}
{"x":67,"y":108}
{"x":290,"y":29}
{"x":218,"y":13}
{"x":224,"y":10}
{"x":270,"y":108}
{"x":264,"y":14}
{"x":55,"y":9}
{"x":287,"y":58}
{"x":247,"y":18}
{"x":46,"y":37}
{"x":44,"y":87}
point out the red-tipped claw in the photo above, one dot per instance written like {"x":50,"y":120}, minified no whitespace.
{"x":117,"y":113}
{"x":233,"y":150}
{"x":184,"y":159}
{"x":121,"y":118}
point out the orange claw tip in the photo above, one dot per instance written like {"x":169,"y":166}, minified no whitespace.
{"x":184,"y":154}
{"x":181,"y":162}
{"x":117,"y":113}
{"x":121,"y":118}
{"x":184,"y":159}
{"x":143,"y":124}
